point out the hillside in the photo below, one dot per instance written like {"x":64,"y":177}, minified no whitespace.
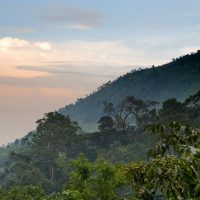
{"x":179,"y":78}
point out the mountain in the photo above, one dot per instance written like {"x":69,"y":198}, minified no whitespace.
{"x":177,"y":79}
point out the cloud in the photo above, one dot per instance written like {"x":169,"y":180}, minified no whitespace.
{"x":105,"y":59}
{"x":79,"y":26}
{"x":69,"y":70}
{"x":72,"y":82}
{"x":8,"y":43}
{"x":43,"y":45}
{"x":15,"y":30}
{"x":85,"y":56}
{"x":74,"y":17}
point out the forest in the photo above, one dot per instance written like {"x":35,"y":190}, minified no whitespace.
{"x":99,"y":100}
{"x":142,"y":150}
{"x":178,"y":79}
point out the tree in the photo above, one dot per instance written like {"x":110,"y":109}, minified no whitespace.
{"x":169,"y":176}
{"x":193,"y":99}
{"x":25,"y":193}
{"x":53,"y":135}
{"x":129,"y":111}
{"x":193,"y":102}
{"x":173,"y":173}
{"x":105,"y":123}
{"x":98,"y":180}
{"x":173,"y":110}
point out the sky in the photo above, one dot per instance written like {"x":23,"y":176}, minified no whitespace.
{"x":53,"y":52}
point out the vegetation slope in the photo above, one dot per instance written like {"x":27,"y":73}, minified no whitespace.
{"x":177,"y":79}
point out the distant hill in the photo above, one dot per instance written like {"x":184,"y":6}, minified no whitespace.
{"x":179,"y":79}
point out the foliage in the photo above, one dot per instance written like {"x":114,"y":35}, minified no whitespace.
{"x":98,"y":180}
{"x":47,"y":157}
{"x":169,"y":176}
{"x":66,"y":195}
{"x":57,"y":138}
{"x":173,"y":138}
{"x":129,"y":112}
{"x":106,"y":123}
{"x":25,"y":193}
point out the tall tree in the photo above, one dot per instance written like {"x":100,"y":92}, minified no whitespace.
{"x":128,"y":112}
{"x":53,"y":135}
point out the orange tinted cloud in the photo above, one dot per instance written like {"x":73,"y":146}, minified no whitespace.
{"x":14,"y":51}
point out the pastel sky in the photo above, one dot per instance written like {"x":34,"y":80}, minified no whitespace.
{"x":52,"y":52}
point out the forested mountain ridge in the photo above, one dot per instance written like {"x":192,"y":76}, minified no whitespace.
{"x":112,"y":163}
{"x":177,"y":79}
{"x":56,"y":162}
